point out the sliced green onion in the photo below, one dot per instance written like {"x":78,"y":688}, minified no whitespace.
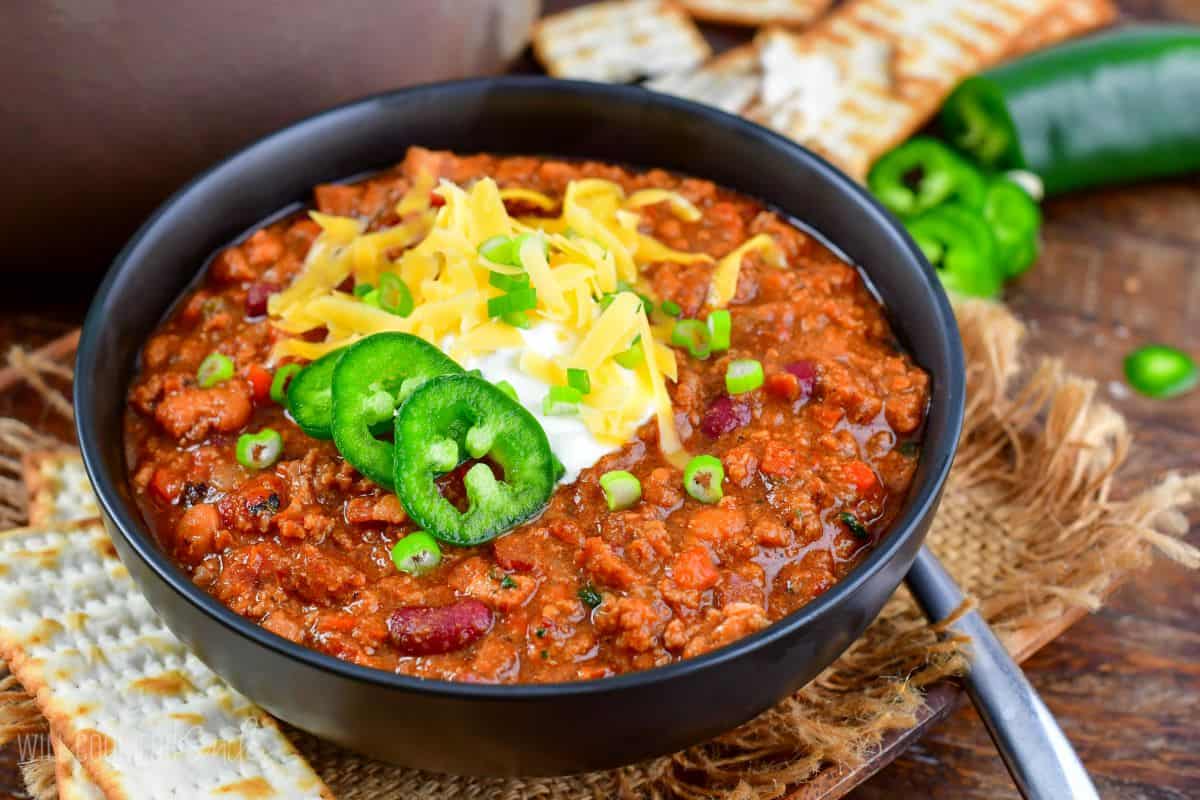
{"x":417,"y":554}
{"x":743,"y":375}
{"x":394,"y":296}
{"x":520,"y":241}
{"x":507,"y":283}
{"x":362,"y":289}
{"x":499,"y":250}
{"x":720,"y":329}
{"x":579,"y":379}
{"x":702,"y":478}
{"x":562,"y":401}
{"x":524,"y":299}
{"x":590,"y":597}
{"x":671,"y":308}
{"x":508,"y":389}
{"x":518,"y":319}
{"x":259,"y":450}
{"x":621,"y":489}
{"x":633,"y":357}
{"x":693,"y":335}
{"x":851,"y":522}
{"x":279,"y":384}
{"x":1160,"y":371}
{"x":215,"y":368}
{"x":371,"y":298}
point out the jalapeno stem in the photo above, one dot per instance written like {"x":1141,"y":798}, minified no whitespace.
{"x":702,"y":478}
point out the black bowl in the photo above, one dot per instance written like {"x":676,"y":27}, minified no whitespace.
{"x":528,"y":729}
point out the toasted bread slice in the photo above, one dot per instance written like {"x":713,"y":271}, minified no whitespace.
{"x":756,"y":13}
{"x":729,"y":82}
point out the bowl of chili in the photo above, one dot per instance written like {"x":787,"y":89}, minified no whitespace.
{"x":501,"y":728}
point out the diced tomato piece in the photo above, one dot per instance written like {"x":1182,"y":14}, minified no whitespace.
{"x":260,"y":382}
{"x":694,"y":569}
{"x":436,"y":200}
{"x":862,"y":476}
{"x":783,"y":385}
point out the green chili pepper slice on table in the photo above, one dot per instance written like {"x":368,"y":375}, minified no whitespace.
{"x":373,"y":376}
{"x":1015,"y":220}
{"x":1105,"y":109}
{"x":961,"y":247}
{"x":1160,"y":371}
{"x":455,"y":417}
{"x":923,"y":173}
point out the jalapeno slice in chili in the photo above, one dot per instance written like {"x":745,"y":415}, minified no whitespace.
{"x":310,"y":397}
{"x":960,"y":245}
{"x":923,"y":173}
{"x":474,"y":419}
{"x":373,"y":376}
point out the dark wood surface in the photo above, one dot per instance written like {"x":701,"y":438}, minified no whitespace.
{"x":1121,"y":268}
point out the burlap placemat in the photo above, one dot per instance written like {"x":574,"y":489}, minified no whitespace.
{"x":1028,"y":526}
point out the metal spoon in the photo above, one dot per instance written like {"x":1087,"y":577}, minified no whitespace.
{"x":1037,"y":754}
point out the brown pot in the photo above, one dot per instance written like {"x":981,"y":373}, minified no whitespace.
{"x":109,"y":106}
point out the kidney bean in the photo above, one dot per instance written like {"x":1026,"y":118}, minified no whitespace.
{"x":724,"y":415}
{"x":430,"y":630}
{"x":256,"y":298}
{"x":806,"y":373}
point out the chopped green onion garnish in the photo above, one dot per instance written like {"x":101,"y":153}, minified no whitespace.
{"x":856,"y":527}
{"x":702,"y":478}
{"x":743,"y":375}
{"x":371,"y":298}
{"x":417,"y":554}
{"x":518,"y":319}
{"x":562,"y":401}
{"x":671,"y":308}
{"x":519,"y":242}
{"x":720,"y":329}
{"x":508,"y":582}
{"x":508,"y":389}
{"x":215,"y":368}
{"x":579,"y":379}
{"x":693,"y":335}
{"x":259,"y":450}
{"x":362,"y":289}
{"x":621,"y":489}
{"x":499,"y":250}
{"x":279,"y":384}
{"x":524,"y":299}
{"x":590,"y":597}
{"x":394,"y":296}
{"x":1161,"y":371}
{"x":508,"y":282}
{"x":633,"y":357}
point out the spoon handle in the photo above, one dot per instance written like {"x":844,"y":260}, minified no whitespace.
{"x":1037,"y":754}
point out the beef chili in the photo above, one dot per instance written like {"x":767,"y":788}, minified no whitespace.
{"x":727,"y":426}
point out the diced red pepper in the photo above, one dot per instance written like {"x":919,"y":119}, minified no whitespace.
{"x":694,"y":569}
{"x":166,"y":486}
{"x":436,"y":200}
{"x":260,"y":382}
{"x":862,"y":476}
{"x":783,"y":385}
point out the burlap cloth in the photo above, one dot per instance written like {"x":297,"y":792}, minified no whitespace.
{"x":1028,"y":526}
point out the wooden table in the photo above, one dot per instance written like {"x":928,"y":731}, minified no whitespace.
{"x":1121,"y":268}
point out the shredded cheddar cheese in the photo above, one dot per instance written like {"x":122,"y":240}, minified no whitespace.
{"x":572,"y":262}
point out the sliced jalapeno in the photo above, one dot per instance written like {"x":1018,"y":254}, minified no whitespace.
{"x":480,"y":420}
{"x":1015,"y":220}
{"x":310,"y":396}
{"x":923,"y":173}
{"x":373,"y":376}
{"x":961,"y":247}
{"x":1160,"y":371}
{"x":416,"y":554}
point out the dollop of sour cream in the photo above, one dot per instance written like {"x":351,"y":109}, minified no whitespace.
{"x":576,"y":446}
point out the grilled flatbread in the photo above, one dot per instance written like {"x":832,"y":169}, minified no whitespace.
{"x":755,"y":13}
{"x":143,"y":716}
{"x":1068,"y":19}
{"x":729,"y":82}
{"x":619,"y":41}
